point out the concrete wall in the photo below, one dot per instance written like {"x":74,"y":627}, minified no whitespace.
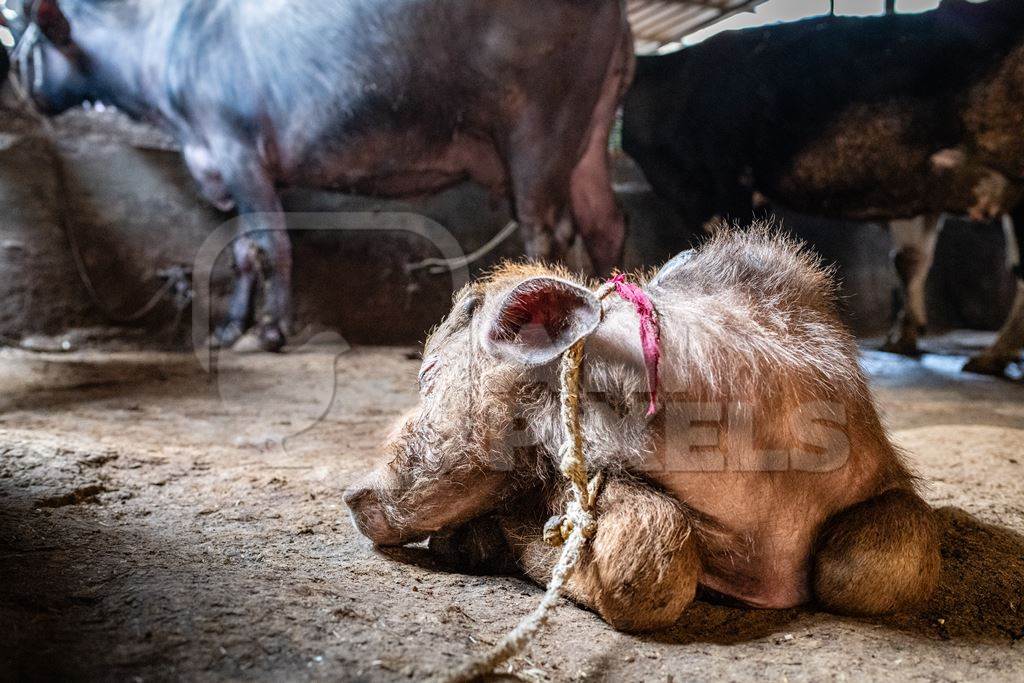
{"x":122,"y":194}
{"x":38,"y":288}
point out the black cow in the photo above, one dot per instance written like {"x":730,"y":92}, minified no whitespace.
{"x":383,"y":97}
{"x":877,"y":118}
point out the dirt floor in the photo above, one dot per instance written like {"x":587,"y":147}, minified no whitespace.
{"x":159,"y":522}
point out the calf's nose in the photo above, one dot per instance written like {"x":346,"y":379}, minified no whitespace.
{"x":368,"y":516}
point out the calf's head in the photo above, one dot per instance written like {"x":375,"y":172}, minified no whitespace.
{"x":462,"y":451}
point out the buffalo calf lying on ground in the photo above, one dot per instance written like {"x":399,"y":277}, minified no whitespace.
{"x":877,"y":118}
{"x":764,"y":475}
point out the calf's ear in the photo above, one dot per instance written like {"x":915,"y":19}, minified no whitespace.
{"x":51,"y":21}
{"x":539,"y":320}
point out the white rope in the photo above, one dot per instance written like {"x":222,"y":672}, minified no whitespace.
{"x":437,"y":266}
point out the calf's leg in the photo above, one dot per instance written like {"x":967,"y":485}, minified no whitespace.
{"x":640,"y":570}
{"x":878,"y":557}
{"x":479,"y":546}
{"x":1006,"y":349}
{"x":914,"y":245}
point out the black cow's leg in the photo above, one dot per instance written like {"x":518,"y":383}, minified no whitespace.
{"x":264,"y":238}
{"x":685,"y":189}
{"x":914,"y":249}
{"x":1006,"y":349}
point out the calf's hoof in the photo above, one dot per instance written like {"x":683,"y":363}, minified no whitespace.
{"x":987,"y":365}
{"x":902,"y":346}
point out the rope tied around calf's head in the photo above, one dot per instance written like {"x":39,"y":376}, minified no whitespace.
{"x":572,"y":529}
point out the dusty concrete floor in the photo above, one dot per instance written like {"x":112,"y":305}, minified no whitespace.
{"x":152,"y":526}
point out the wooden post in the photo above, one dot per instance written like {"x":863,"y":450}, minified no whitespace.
{"x":890,"y":6}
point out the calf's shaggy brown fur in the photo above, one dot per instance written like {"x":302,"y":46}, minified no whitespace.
{"x":765,"y":476}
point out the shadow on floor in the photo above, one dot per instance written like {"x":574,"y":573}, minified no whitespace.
{"x":81,"y":600}
{"x":980,"y":595}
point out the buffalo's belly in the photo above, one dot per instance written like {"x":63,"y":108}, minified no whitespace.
{"x":396,"y":164}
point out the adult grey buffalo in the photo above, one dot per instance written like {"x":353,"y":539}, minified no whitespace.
{"x":384,"y":97}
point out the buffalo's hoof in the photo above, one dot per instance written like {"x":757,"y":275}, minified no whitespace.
{"x":271,"y":337}
{"x":227,"y":335}
{"x":903,"y":347}
{"x":987,"y":365}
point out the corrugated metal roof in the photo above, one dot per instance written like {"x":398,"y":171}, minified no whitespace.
{"x":658,"y":22}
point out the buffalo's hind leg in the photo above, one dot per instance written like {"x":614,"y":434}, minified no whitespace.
{"x":640,"y":570}
{"x":594,"y":207}
{"x":880,"y":556}
{"x":540,"y":182}
{"x":240,"y":307}
{"x":558,"y":162}
{"x":266,"y":256}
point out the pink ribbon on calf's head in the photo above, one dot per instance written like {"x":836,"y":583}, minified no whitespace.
{"x":650,"y":332}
